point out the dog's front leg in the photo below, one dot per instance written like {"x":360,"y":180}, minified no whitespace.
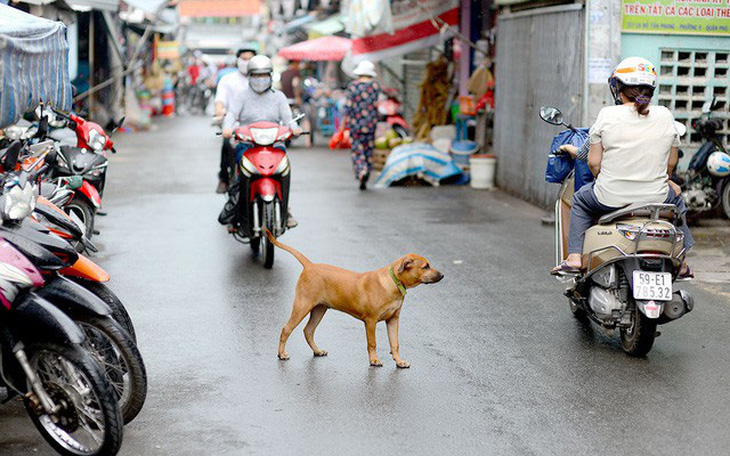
{"x":393,"y":339}
{"x":370,"y":332}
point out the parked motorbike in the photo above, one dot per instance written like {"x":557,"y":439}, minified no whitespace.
{"x":390,"y":110}
{"x":706,"y":182}
{"x":86,"y":159}
{"x":66,"y":393}
{"x":108,"y":343}
{"x":263,"y":191}
{"x":633,"y":257}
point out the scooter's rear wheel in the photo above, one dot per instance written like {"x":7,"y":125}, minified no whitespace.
{"x":638,"y":339}
{"x":725,"y":198}
{"x":578,"y":312}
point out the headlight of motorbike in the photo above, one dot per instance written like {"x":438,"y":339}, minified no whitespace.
{"x":264,"y":136}
{"x":629,"y":231}
{"x":283,"y":167}
{"x":247,"y":167}
{"x":17,"y":203}
{"x":96,"y":140}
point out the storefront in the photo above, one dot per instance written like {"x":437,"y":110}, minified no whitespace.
{"x":689,"y":42}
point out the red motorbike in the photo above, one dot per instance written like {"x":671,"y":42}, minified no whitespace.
{"x":390,"y":109}
{"x":86,"y":158}
{"x":263,"y":190}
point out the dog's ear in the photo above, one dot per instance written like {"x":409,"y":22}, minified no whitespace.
{"x":407,"y":263}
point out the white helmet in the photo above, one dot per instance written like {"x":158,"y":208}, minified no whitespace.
{"x":634,"y":71}
{"x":719,"y":164}
{"x":260,"y":64}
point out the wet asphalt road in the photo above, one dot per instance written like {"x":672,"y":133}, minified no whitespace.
{"x":499,"y":365}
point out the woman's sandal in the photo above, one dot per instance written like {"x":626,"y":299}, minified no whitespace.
{"x":685,"y":274}
{"x":563,"y":269}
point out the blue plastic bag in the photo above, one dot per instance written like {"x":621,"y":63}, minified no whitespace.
{"x":559,"y":166}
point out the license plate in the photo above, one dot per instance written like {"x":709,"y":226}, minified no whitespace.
{"x":655,"y":286}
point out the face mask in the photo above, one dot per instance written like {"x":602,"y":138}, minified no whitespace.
{"x":242,"y":66}
{"x":259,"y":84}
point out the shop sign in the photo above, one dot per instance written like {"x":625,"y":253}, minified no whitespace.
{"x":676,"y":17}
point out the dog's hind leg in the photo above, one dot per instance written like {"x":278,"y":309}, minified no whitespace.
{"x":300,"y":310}
{"x":315,"y":316}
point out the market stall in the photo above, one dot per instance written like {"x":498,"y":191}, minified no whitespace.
{"x":33,"y":64}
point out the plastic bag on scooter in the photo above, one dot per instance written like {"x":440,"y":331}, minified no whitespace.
{"x":559,"y":166}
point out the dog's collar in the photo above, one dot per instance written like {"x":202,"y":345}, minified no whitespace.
{"x":397,"y":281}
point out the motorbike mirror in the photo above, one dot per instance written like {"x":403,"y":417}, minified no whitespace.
{"x":551,"y":115}
{"x":11,"y":156}
{"x":298,"y":117}
{"x":42,"y":127}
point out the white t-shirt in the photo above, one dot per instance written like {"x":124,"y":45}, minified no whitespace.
{"x":229,"y":86}
{"x":635,"y":154}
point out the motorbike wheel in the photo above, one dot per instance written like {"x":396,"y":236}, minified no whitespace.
{"x":119,"y":312}
{"x":267,"y":248}
{"x":638,"y":339}
{"x":579,"y":313}
{"x":402,"y":131}
{"x":113,"y":349}
{"x":725,"y":198}
{"x":89,"y":421}
{"x":84,"y":212}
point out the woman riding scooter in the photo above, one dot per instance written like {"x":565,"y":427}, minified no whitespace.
{"x":259,"y":102}
{"x":633,"y":151}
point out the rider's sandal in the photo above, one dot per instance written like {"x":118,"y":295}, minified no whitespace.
{"x":685,"y":275}
{"x":564,"y":269}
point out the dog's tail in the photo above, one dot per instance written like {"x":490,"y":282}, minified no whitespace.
{"x":298,"y":255}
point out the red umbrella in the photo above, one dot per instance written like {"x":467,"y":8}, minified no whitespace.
{"x":324,"y":48}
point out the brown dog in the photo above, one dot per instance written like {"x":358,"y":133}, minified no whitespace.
{"x":368,"y":296}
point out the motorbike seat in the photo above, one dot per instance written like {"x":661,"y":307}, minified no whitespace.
{"x":667,"y":212}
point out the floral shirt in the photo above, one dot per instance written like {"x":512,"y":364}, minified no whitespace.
{"x":361,"y":108}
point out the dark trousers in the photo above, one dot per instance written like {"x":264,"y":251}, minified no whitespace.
{"x":227,"y":162}
{"x":586,"y":208}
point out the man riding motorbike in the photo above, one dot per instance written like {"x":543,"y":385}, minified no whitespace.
{"x":259,"y":102}
{"x":228,"y":87}
{"x":633,"y":151}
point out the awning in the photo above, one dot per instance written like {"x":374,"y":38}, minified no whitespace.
{"x":414,"y":28}
{"x":326,"y":48}
{"x":327,"y":27}
{"x":33,"y":64}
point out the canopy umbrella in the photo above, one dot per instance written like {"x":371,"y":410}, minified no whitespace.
{"x":33,"y":64}
{"x":320,"y":49}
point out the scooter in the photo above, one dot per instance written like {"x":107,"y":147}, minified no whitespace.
{"x":65,"y":392}
{"x":263,"y":191}
{"x":107,"y":341}
{"x":633,"y":257}
{"x":390,"y":109}
{"x":704,"y":188}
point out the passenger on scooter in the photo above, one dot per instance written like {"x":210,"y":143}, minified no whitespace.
{"x":633,"y":151}
{"x":259,"y":102}
{"x":228,"y":87}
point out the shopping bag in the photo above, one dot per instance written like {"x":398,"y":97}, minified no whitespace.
{"x":341,"y":139}
{"x":559,"y":166}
